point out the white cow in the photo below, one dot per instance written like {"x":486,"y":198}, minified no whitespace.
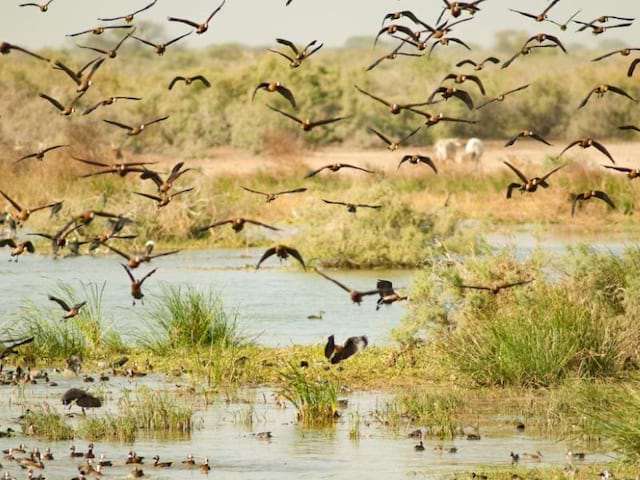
{"x":474,"y":150}
{"x":446,"y":149}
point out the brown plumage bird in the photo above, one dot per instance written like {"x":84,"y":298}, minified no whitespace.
{"x":355,"y":295}
{"x":308,"y":125}
{"x":99,"y":30}
{"x":161,"y":48}
{"x":583,"y":197}
{"x":545,"y":37}
{"x":394,"y":108}
{"x":43,"y":7}
{"x":200,"y":27}
{"x":435,"y":119}
{"x":496,"y":289}
{"x":526,"y":134}
{"x":39,"y":155}
{"x":625,"y":52}
{"x":163,"y":199}
{"x":392,"y":146}
{"x":585,"y":143}
{"x":335,"y":167}
{"x":403,"y":14}
{"x":107,"y":102}
{"x":632,"y":173}
{"x":270,"y":197}
{"x":17,"y":248}
{"x":299,"y":55}
{"x":541,"y":17}
{"x":113,"y":52}
{"x":129,"y":17}
{"x":352,"y":207}
{"x":6,"y":48}
{"x":158,"y":464}
{"x":134,"y":261}
{"x":88,"y":216}
{"x":462,"y":78}
{"x":524,"y":51}
{"x":136,"y":285}
{"x":418,"y":159}
{"x":275,"y":87}
{"x":282,"y":252}
{"x":59,"y":238}
{"x":338,"y":353}
{"x":603,"y":89}
{"x":395,"y":53}
{"x":394,"y":28}
{"x":23,"y":214}
{"x":237,"y":224}
{"x":445,"y":41}
{"x":600,"y":29}
{"x":190,"y":80}
{"x":388,"y":295}
{"x":478,"y":66}
{"x":138,"y":129}
{"x":62,"y":109}
{"x":120,"y":169}
{"x":164,"y":186}
{"x":528,"y":185}
{"x":456,"y":9}
{"x":70,"y":310}
{"x":502,"y":96}
{"x":452,"y":92}
{"x":112,"y":233}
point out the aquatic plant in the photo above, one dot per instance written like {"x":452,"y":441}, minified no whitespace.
{"x":45,"y":422}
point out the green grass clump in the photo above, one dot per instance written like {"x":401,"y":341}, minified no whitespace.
{"x":183,"y":318}
{"x":120,"y":428}
{"x":45,"y":422}
{"x":314,"y":398}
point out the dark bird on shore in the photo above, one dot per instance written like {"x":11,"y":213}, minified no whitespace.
{"x":632,"y":173}
{"x":164,"y":186}
{"x":335,"y":167}
{"x":107,"y":102}
{"x":200,"y":27}
{"x":625,"y":52}
{"x":17,"y":248}
{"x":541,"y":17}
{"x":308,"y":125}
{"x":157,"y":463}
{"x":270,"y":197}
{"x":237,"y":224}
{"x":111,"y":53}
{"x":603,"y":89}
{"x":62,"y":109}
{"x":583,"y":197}
{"x":190,"y":80}
{"x":99,"y":30}
{"x":461,"y":78}
{"x":529,"y":185}
{"x":526,"y":134}
{"x":545,"y":37}
{"x":276,"y":87}
{"x":161,"y":48}
{"x":299,"y":55}
{"x":352,"y":207}
{"x":137,"y":130}
{"x":585,"y":143}
{"x":39,"y":155}
{"x":129,"y":17}
{"x":6,"y":47}
{"x":501,"y":97}
{"x":392,"y":56}
{"x":452,"y":92}
{"x":59,"y":238}
{"x":355,"y":295}
{"x":418,"y":159}
{"x":81,"y":398}
{"x":394,"y":108}
{"x":496,"y":289}
{"x":632,"y":67}
{"x":394,"y":28}
{"x":338,"y":353}
{"x":435,"y":119}
{"x":478,"y":66}
{"x":565,"y":25}
{"x":163,"y":199}
{"x":43,"y":7}
{"x":136,"y":285}
{"x":282,"y":252}
{"x":524,"y":51}
{"x":393,"y":145}
{"x":388,"y":295}
{"x":71,"y":310}
{"x":121,"y":169}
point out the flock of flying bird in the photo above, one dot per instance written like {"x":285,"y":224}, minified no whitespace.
{"x":404,"y":26}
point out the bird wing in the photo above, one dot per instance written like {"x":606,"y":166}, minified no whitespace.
{"x":341,"y":285}
{"x":288,"y":115}
{"x":516,"y":284}
{"x":11,"y":201}
{"x":68,"y":71}
{"x":260,"y":224}
{"x":601,"y":148}
{"x":60,"y":302}
{"x":119,"y":252}
{"x":183,"y":20}
{"x":313,"y":173}
{"x":632,"y":67}
{"x":352,"y":346}
{"x":146,"y":195}
{"x":520,"y":175}
{"x":331,"y":202}
{"x":605,"y":198}
{"x":142,"y":280}
{"x":268,"y":253}
{"x":164,"y":254}
{"x":319,"y":123}
{"x":180,"y":192}
{"x":428,"y":161}
{"x":145,"y":8}
{"x":94,"y":68}
{"x":465,"y":97}
{"x":529,"y":15}
{"x":53,"y":101}
{"x":587,"y":98}
{"x":289,"y":44}
{"x":288,"y":94}
{"x":475,"y":79}
{"x":515,"y":90}
{"x":157,"y":120}
{"x":93,"y":108}
{"x":511,"y":188}
{"x":537,"y":137}
{"x":296,"y":254}
{"x":146,"y":42}
{"x":549,"y":7}
{"x":606,"y":55}
{"x":552,"y":172}
{"x":90,"y":162}
{"x":410,"y":135}
{"x":466,"y":62}
{"x":216,"y":11}
{"x":171,"y":42}
{"x":216,"y":224}
{"x":256,"y":191}
{"x":118,"y":124}
{"x":347,"y":165}
{"x":620,"y":91}
{"x":574,"y":203}
{"x":513,"y":140}
{"x":570,"y":146}
{"x":378,"y":99}
{"x":380,"y":136}
{"x":295,"y":190}
{"x":629,"y":127}
{"x":8,"y":242}
{"x":474,"y":287}
{"x":618,"y":169}
{"x":175,"y":171}
{"x":201,"y":78}
{"x":330,"y":347}
{"x":281,"y":54}
{"x":126,"y":269}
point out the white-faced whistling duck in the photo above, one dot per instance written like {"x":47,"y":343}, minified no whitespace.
{"x":338,"y":353}
{"x":392,"y":146}
{"x":121,"y":169}
{"x":394,"y":28}
{"x":418,"y":159}
{"x":316,"y":316}
{"x":205,"y":467}
{"x":335,"y":167}
{"x":632,"y":67}
{"x":129,"y":17}
{"x":388,"y":295}
{"x":544,"y":37}
{"x":524,"y":51}
{"x":190,"y":80}
{"x":496,"y":289}
{"x":600,"y":29}
{"x":29,"y":462}
{"x":632,"y":173}
{"x":83,"y":400}
{"x":306,"y":124}
{"x":138,"y":129}
{"x":478,"y":66}
{"x":200,"y":27}
{"x":163,"y":199}
{"x":355,"y":295}
{"x":583,"y":197}
{"x":71,"y":311}
{"x":99,"y":30}
{"x":419,"y":447}
{"x":237,"y":224}
{"x":528,"y":185}
{"x":445,"y":41}
{"x":64,"y":110}
{"x":541,"y":17}
{"x":189,"y":462}
{"x":39,"y":155}
{"x":136,"y":285}
{"x":585,"y":143}
{"x":441,"y":449}
{"x":134,"y":459}
{"x":157,"y":463}
{"x":59,"y":238}
{"x":393,"y":55}
{"x":276,"y":87}
{"x":5,"y":49}
{"x":502,"y":96}
{"x":563,"y":26}
{"x":104,"y":463}
{"x":23,"y":214}
{"x":462,"y":78}
{"x":300,"y":55}
{"x":161,"y":48}
{"x":625,"y":52}
{"x":134,"y":261}
{"x":352,"y":207}
{"x":452,"y":92}
{"x":282,"y":252}
{"x":603,"y":89}
{"x":107,"y":102}
{"x":137,"y":472}
{"x":526,"y":134}
{"x":394,"y":108}
{"x":112,"y":53}
{"x":43,"y":7}
{"x":571,"y":455}
{"x":270,"y":197}
{"x":456,"y":8}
